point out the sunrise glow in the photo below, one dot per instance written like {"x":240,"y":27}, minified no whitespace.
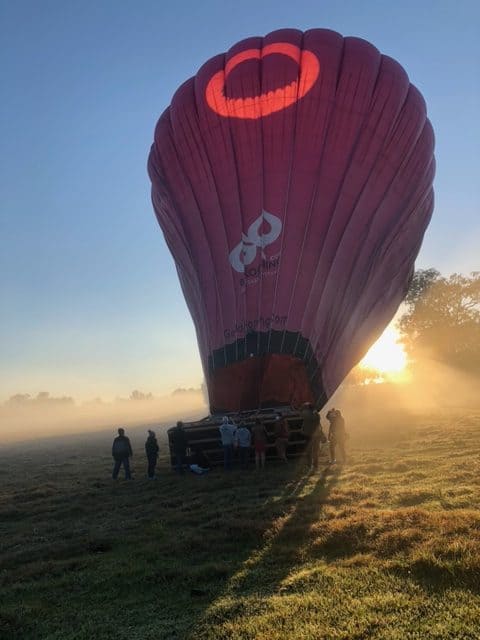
{"x":387,"y":355}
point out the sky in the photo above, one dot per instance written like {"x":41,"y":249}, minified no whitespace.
{"x":90,"y":303}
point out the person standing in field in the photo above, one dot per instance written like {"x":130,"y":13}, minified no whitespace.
{"x":336,"y":435}
{"x":121,"y":453}
{"x":312,"y":430}
{"x":243,"y":441}
{"x":281,"y":437}
{"x":227,"y":434}
{"x":179,"y":441}
{"x":259,"y":443}
{"x":151,"y":449}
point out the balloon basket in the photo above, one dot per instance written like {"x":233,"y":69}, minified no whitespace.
{"x":204,"y":435}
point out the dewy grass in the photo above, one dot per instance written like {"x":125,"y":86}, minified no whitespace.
{"x":387,"y":546}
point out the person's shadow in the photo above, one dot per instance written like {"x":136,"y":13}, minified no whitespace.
{"x":266,"y":566}
{"x":284,"y":546}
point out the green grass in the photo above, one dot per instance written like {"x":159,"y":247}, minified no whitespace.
{"x":385,"y":547}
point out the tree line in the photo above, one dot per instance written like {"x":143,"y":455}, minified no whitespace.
{"x":441,"y":321}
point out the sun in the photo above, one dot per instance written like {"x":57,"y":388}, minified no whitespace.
{"x":387,"y":355}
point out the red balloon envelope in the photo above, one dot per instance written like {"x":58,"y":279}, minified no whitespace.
{"x":292,"y":179}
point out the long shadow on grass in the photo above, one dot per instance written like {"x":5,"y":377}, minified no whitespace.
{"x":266,"y":565}
{"x":197,"y":540}
{"x":287,"y":542}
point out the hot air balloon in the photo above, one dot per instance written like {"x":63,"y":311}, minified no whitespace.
{"x":292,"y":180}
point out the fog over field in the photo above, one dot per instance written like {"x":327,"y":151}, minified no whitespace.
{"x":367,"y":407}
{"x":437,"y":388}
{"x":28,"y":419}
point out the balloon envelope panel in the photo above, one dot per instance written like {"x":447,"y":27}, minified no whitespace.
{"x":292,"y":178}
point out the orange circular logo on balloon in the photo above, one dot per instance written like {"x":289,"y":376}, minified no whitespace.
{"x":264,"y":104}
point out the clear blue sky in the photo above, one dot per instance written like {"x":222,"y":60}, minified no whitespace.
{"x":90,"y":303}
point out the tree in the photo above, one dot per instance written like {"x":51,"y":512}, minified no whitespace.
{"x":182,"y":391}
{"x":19,"y":399}
{"x":139,"y":395}
{"x":442,"y":320}
{"x":42,"y":398}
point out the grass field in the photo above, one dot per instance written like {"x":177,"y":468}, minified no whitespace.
{"x":387,"y":546}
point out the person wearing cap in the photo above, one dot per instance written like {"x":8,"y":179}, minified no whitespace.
{"x":281,"y":436}
{"x":151,"y":449}
{"x":121,"y":453}
{"x":227,"y":434}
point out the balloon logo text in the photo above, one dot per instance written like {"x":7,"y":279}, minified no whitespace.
{"x":246,"y":250}
{"x":269,"y":102}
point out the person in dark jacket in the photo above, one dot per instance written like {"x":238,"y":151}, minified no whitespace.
{"x":312,"y":429}
{"x":336,"y":435}
{"x":179,"y":442}
{"x":121,"y":453}
{"x":151,"y":449}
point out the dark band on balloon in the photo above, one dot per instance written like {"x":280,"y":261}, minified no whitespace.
{"x":263,"y":343}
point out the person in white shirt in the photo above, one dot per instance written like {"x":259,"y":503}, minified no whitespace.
{"x":227,"y":433}
{"x":243,"y":440}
